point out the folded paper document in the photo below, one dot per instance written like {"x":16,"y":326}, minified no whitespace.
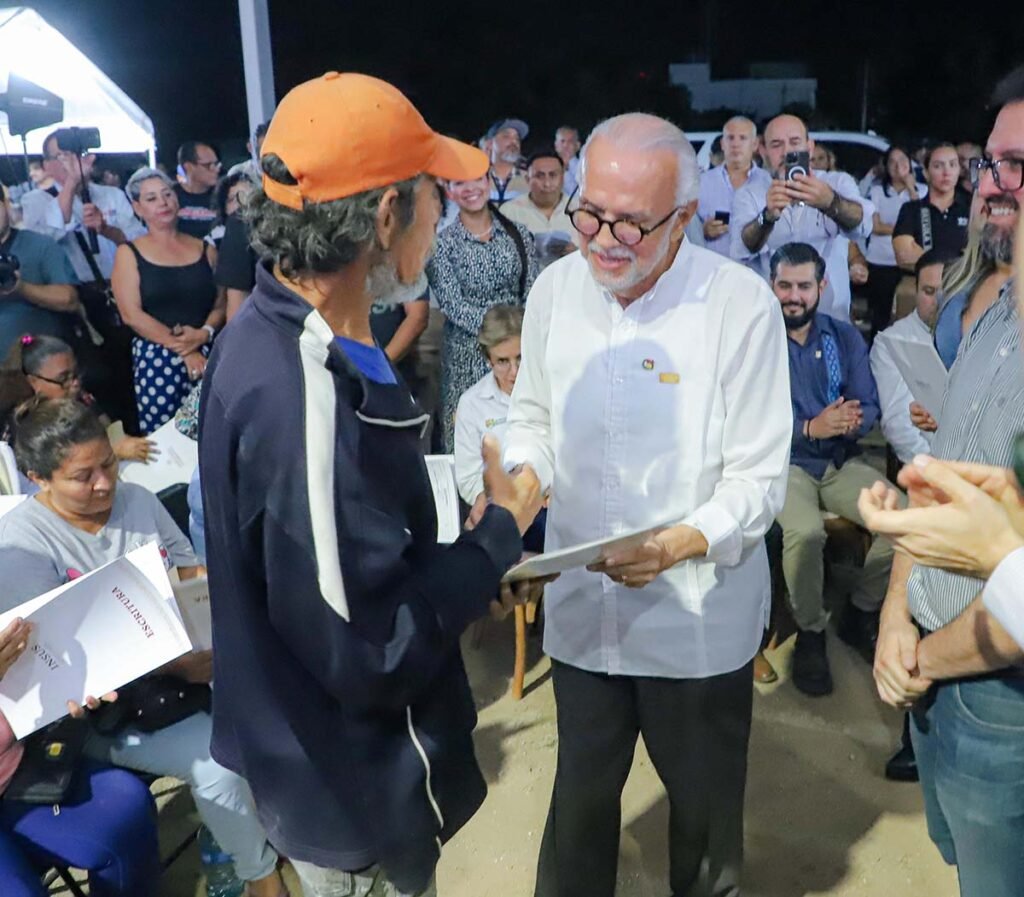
{"x":563,"y":559}
{"x":92,"y":636}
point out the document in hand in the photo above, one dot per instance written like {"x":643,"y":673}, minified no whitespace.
{"x":92,"y":636}
{"x":441,"y":469}
{"x":175,"y":464}
{"x":563,"y":559}
{"x":193,"y":597}
{"x":923,"y":371}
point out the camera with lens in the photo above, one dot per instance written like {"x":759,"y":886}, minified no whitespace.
{"x":77,"y":140}
{"x":9,"y":266}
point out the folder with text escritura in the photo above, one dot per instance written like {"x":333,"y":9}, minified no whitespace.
{"x":91,"y":636}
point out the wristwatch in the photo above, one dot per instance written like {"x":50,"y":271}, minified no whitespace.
{"x":211,"y":330}
{"x":763,"y":220}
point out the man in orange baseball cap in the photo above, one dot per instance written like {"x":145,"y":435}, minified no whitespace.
{"x":341,"y":693}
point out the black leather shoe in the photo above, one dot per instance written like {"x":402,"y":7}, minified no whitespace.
{"x":902,"y":766}
{"x":811,"y":673}
{"x":859,"y":629}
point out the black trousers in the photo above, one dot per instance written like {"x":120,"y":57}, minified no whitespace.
{"x":696,"y":732}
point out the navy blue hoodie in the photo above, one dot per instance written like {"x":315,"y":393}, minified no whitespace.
{"x":340,"y":690}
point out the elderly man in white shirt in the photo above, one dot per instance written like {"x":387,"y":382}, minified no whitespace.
{"x":798,"y":206}
{"x":893,"y":392}
{"x":654,"y":392}
{"x":63,"y":216}
{"x":718,"y":186}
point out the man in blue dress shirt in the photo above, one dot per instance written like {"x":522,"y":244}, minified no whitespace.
{"x":835,"y":403}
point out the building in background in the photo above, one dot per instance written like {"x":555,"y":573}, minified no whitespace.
{"x":770,"y":87}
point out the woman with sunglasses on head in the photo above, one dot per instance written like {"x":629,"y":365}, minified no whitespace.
{"x":165,"y":292}
{"x":46,"y":366}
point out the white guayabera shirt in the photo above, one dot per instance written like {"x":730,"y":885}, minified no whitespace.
{"x":677,"y":407}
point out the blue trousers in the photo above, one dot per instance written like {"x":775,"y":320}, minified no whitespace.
{"x":969,"y":739}
{"x":107,"y":825}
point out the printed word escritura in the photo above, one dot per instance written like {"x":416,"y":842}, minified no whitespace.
{"x":126,"y":602}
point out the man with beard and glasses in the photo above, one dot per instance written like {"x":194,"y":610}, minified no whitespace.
{"x":341,"y":693}
{"x":940,"y":652}
{"x":835,"y":404}
{"x":653,"y":393}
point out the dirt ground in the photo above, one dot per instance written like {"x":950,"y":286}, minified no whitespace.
{"x":820,"y":818}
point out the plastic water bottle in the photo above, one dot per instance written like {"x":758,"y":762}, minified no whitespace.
{"x":218,"y":867}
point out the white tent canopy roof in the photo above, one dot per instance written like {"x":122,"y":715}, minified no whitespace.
{"x":34,"y":49}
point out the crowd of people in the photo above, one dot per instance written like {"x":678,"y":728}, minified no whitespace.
{"x":607,"y":339}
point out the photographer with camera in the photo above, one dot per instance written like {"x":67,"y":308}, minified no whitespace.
{"x":801,"y":205}
{"x":89,"y":220}
{"x":37,"y":292}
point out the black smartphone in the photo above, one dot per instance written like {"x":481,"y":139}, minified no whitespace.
{"x":722,"y":216}
{"x":797,"y":163}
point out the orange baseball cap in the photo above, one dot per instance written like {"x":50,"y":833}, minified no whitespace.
{"x":343,"y":134}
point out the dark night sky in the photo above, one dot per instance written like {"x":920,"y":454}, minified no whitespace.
{"x":465,"y":65}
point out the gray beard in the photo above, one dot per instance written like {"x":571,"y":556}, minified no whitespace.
{"x":997,"y":244}
{"x":387,"y":291}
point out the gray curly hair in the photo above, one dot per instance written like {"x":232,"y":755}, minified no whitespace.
{"x":322,"y":237}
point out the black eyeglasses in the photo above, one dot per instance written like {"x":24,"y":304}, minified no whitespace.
{"x":209,"y":166}
{"x":628,"y":233}
{"x":1007,"y":173}
{"x":68,"y":377}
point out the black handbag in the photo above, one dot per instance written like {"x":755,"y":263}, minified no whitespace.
{"x":151,"y":704}
{"x":49,"y":762}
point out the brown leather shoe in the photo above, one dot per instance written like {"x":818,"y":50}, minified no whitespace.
{"x":764,"y":672}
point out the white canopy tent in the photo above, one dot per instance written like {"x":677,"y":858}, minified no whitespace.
{"x":35,"y":50}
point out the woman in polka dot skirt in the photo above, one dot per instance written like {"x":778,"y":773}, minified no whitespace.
{"x":163,"y":284}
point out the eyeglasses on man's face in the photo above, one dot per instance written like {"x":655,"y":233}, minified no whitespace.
{"x":625,"y":231}
{"x":209,"y":166}
{"x":1007,"y":173}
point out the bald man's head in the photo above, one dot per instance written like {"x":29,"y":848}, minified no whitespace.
{"x":739,"y":142}
{"x":784,"y":134}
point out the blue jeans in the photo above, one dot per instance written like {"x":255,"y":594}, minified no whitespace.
{"x":107,"y":825}
{"x":969,"y":739}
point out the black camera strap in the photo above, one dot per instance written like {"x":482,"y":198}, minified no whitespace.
{"x":90,"y":259}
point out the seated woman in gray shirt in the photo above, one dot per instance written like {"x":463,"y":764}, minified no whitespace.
{"x":80,"y":519}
